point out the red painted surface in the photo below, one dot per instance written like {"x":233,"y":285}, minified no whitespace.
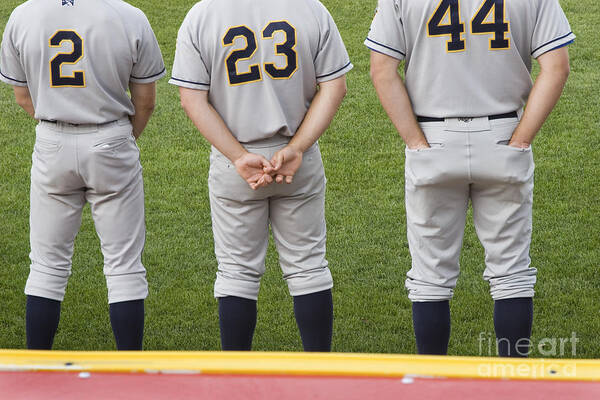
{"x":111,"y":386}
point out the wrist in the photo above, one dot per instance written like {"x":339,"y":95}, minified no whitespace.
{"x":294,"y":147}
{"x":417,"y":144}
{"x":238,"y":155}
{"x":519,"y":143}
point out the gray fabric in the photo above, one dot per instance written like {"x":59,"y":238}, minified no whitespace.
{"x":241,"y":218}
{"x":469,"y":161}
{"x":477,"y":81}
{"x":118,"y":47}
{"x":278,"y":105}
{"x":74,"y":165}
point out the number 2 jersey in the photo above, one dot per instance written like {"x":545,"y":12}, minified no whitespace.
{"x":77,"y":57}
{"x":260,"y":60}
{"x":468,"y":58}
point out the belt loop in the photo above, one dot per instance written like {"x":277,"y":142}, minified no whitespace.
{"x":520,"y":113}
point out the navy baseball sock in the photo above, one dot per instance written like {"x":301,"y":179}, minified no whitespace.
{"x":431,"y":322}
{"x":314,"y":316}
{"x":41,"y":321}
{"x":237,"y":320}
{"x":512,"y":320}
{"x":127,"y":320}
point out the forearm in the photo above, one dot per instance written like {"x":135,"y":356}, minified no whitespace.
{"x":28,"y":107}
{"x":320,"y":114}
{"x":543,"y":97}
{"x":23,"y":99}
{"x":395,"y":101}
{"x":143,"y":97}
{"x":210,"y":124}
{"x":140,"y":120}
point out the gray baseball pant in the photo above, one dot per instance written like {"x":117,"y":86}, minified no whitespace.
{"x":241,"y":218}
{"x":469,"y":159}
{"x":72,"y":165}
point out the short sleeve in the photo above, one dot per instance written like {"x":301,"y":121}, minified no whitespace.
{"x":552,"y":30}
{"x":189,"y":69}
{"x":332,"y":60}
{"x":11,"y":70}
{"x":149,"y":65}
{"x":387,"y":34}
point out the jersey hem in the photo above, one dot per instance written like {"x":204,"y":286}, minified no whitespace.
{"x":562,"y":45}
{"x":335,"y":74}
{"x":151,"y":76}
{"x":189,"y":84}
{"x":382,"y":48}
{"x":11,"y":81}
{"x":553,"y":44}
{"x":150,"y":79}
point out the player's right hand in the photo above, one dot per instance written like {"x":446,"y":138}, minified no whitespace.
{"x":418,"y":144}
{"x":254,"y":169}
{"x":285,"y":164}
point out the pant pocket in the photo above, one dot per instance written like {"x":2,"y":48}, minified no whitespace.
{"x":517,"y":165}
{"x":111,"y":143}
{"x":425,"y":166}
{"x":46,"y":146}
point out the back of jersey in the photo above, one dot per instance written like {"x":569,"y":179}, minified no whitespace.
{"x":260,"y":60}
{"x":468,"y":58}
{"x":77,"y":57}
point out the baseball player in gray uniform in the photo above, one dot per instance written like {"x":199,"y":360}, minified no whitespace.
{"x":70,"y":63}
{"x":248,"y":73}
{"x":467,"y":66}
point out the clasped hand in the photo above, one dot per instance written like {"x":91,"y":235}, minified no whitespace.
{"x":258,"y":172}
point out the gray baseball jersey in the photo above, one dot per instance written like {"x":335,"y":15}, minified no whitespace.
{"x":269,"y":53}
{"x":79,"y":62}
{"x":471,"y":57}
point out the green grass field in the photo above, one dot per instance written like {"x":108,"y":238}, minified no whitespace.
{"x":367,"y":247}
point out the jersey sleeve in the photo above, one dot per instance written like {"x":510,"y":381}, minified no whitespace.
{"x":149,"y":65}
{"x":386,"y":35}
{"x":552,"y":30}
{"x":189,"y":69}
{"x":332,"y":60}
{"x":11,"y":70}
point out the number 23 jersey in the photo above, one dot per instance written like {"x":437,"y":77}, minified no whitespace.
{"x":468,"y":58}
{"x":260,"y":60}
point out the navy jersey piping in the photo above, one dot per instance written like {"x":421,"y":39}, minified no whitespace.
{"x":387,"y":47}
{"x":334,"y":72}
{"x":12,"y":79}
{"x":546,"y":44}
{"x":151,"y":76}
{"x":194,"y":83}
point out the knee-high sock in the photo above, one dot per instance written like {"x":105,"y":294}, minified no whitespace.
{"x":127,"y":320}
{"x":314,"y":316}
{"x":512,"y":320}
{"x":431,"y":322}
{"x":42,"y":316}
{"x":237,"y":320}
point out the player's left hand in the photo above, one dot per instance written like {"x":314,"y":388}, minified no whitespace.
{"x":285,"y":164}
{"x":254,"y":169}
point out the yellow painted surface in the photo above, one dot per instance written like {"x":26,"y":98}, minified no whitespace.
{"x":323,"y":364}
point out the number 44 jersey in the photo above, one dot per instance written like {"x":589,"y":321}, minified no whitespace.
{"x":78,"y":57}
{"x":260,"y":60}
{"x":468,"y":57}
